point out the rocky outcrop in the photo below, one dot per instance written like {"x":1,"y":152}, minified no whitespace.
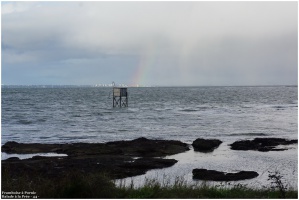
{"x":143,"y":147}
{"x":55,"y":167}
{"x":140,"y":147}
{"x":119,"y":159}
{"x":213,"y":175}
{"x":205,"y":145}
{"x":262,"y":144}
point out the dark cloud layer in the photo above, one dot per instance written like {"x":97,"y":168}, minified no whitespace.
{"x":150,"y":43}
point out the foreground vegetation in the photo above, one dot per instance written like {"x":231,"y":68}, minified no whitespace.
{"x":78,"y":185}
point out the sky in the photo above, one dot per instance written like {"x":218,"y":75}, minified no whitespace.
{"x":149,"y":43}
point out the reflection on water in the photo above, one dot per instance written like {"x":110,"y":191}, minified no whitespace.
{"x":227,"y":160}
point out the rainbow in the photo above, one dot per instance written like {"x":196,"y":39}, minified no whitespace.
{"x":147,"y":59}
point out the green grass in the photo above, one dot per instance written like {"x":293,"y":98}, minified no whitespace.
{"x":180,"y":190}
{"x":78,"y":185}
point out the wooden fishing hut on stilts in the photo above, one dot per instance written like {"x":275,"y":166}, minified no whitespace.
{"x":120,"y":97}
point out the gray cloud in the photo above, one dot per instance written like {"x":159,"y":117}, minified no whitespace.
{"x":179,"y":43}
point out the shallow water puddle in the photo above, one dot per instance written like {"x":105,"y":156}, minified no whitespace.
{"x":5,"y":156}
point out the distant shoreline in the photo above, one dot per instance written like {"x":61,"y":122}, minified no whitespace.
{"x":94,"y":86}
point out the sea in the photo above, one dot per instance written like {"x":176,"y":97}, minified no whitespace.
{"x":71,"y":114}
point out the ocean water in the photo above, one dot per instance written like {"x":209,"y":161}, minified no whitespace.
{"x":85,"y":114}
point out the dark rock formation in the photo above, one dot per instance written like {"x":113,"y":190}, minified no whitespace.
{"x":118,"y":159}
{"x":54,"y":167}
{"x":213,"y":175}
{"x":143,"y":147}
{"x":140,"y":147}
{"x":262,"y":144}
{"x":21,"y":148}
{"x":205,"y":145}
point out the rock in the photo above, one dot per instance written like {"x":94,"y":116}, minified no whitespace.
{"x":13,"y":158}
{"x":262,"y":144}
{"x":23,"y":148}
{"x":143,"y":147}
{"x":213,"y":175}
{"x":205,"y":145}
{"x":139,"y":148}
{"x":114,"y":158}
{"x":115,"y":166}
{"x":150,"y":163}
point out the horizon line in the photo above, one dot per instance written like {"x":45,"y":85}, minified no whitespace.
{"x":124,"y":85}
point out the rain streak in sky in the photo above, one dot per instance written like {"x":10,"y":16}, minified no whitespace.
{"x":150,"y":43}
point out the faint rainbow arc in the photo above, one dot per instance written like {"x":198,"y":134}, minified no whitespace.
{"x":146,"y":60}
